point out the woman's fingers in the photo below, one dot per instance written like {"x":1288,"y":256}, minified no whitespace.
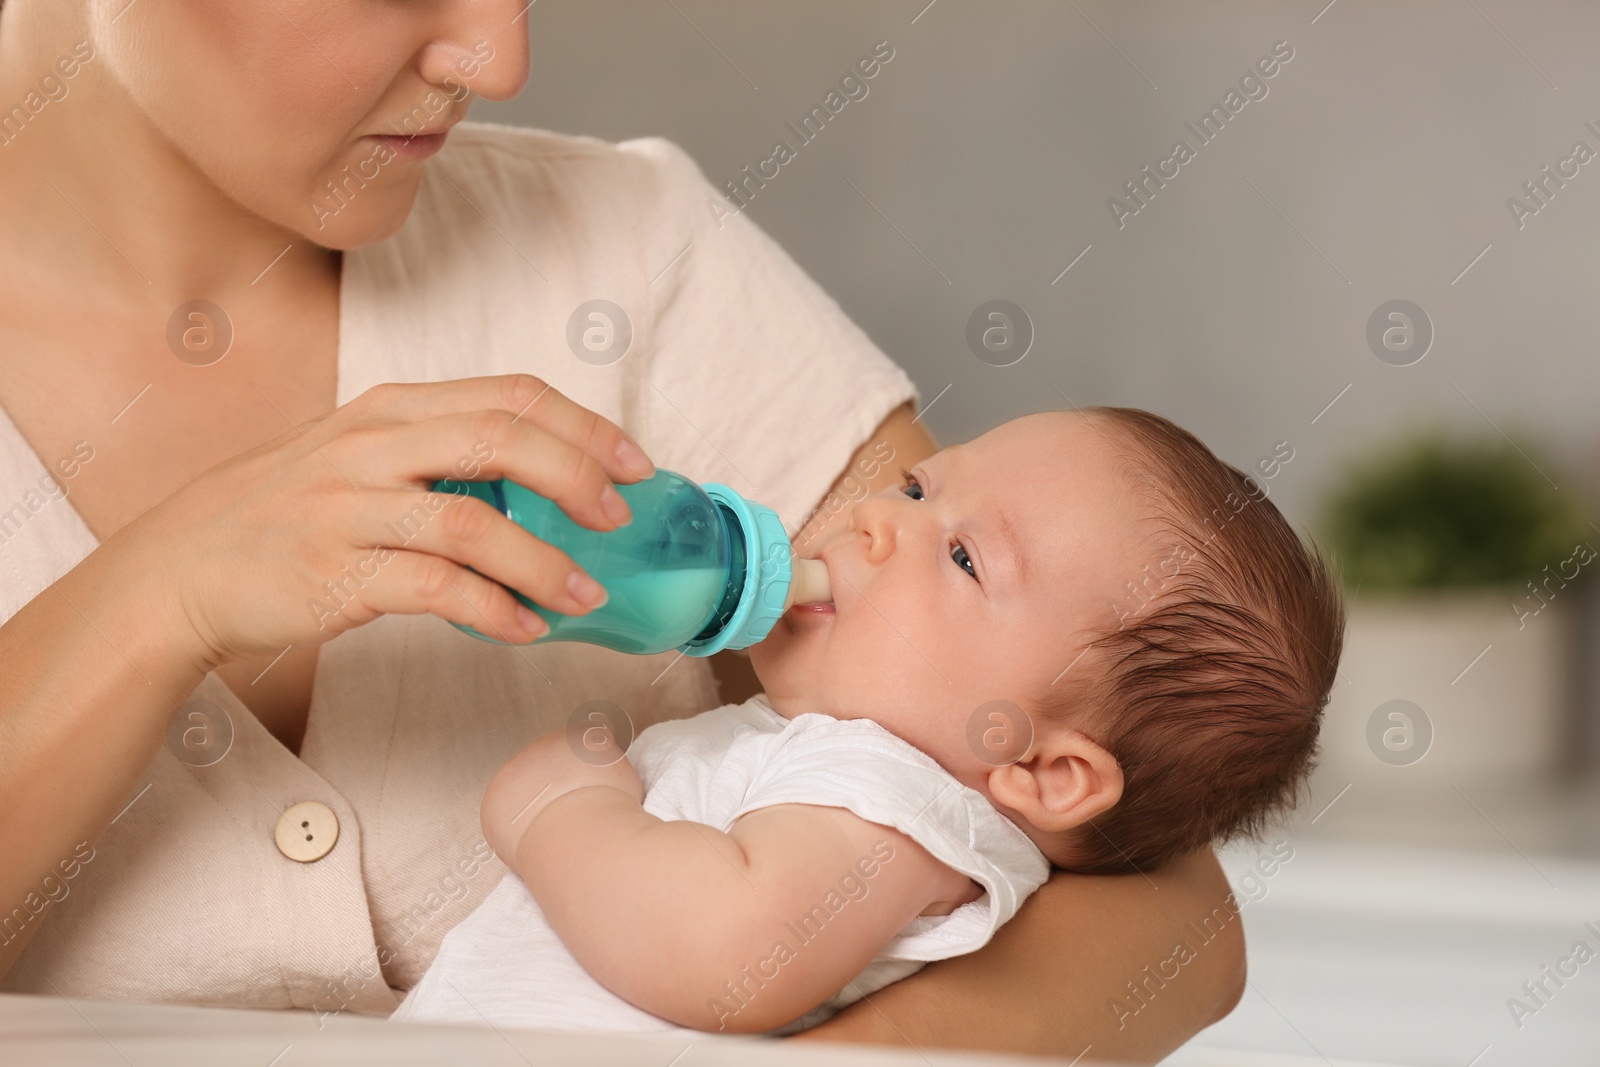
{"x":485,"y":444}
{"x":471,"y":532}
{"x":415,"y":583}
{"x":526,"y":398}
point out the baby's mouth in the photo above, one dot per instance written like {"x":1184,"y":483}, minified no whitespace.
{"x":810,"y":591}
{"x":810,"y":583}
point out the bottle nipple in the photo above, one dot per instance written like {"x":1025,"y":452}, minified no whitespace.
{"x":808,"y":583}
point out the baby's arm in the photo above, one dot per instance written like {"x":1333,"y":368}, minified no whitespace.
{"x":740,"y":931}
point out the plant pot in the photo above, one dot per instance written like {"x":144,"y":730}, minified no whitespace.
{"x":1451,"y":687}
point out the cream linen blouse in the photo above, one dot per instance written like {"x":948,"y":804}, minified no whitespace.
{"x":739,"y":370}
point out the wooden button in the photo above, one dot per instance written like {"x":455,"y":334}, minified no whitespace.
{"x":307,"y":831}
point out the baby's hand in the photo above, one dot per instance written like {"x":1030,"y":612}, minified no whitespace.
{"x":554,"y":765}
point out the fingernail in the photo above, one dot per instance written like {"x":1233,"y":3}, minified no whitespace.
{"x":585,"y":590}
{"x":614,"y":506}
{"x":633,"y":459}
{"x":530,"y":621}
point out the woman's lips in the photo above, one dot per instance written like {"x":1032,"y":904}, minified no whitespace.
{"x":413,"y":147}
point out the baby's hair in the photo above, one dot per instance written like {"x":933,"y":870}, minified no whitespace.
{"x":1209,"y":687}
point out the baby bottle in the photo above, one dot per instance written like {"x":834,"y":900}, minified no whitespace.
{"x":699,"y":569}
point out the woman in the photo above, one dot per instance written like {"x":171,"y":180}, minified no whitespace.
{"x":218,"y":238}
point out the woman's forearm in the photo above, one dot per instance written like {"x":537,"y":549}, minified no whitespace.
{"x":89,"y":675}
{"x":1089,"y":962}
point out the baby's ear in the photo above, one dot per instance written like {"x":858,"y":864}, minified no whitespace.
{"x":1061,"y":782}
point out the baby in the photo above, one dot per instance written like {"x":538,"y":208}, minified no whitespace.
{"x":1079,"y":639}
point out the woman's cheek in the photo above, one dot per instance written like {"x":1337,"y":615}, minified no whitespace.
{"x":269,"y":100}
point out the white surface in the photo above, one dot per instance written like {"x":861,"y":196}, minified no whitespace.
{"x":54,"y":1031}
{"x":1369,"y":955}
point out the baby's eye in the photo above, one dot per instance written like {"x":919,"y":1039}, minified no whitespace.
{"x":909,"y":482}
{"x":957,"y":552}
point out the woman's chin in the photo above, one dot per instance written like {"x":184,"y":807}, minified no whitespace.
{"x":358,"y":218}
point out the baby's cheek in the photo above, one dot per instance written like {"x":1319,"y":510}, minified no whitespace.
{"x":780,"y":665}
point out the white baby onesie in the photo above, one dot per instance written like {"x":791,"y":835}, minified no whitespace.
{"x":505,"y":966}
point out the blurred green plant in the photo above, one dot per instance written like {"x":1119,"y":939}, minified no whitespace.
{"x":1434,"y":511}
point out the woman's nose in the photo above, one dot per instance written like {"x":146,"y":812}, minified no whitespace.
{"x":486,"y":51}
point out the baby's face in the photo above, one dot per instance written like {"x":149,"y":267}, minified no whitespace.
{"x":978,"y":580}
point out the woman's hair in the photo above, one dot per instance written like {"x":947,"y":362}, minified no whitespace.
{"x":1209,"y":691}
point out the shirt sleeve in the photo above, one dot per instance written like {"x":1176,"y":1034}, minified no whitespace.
{"x":858,"y":765}
{"x":753,"y":372}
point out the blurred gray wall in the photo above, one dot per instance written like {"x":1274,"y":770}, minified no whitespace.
{"x":1377,"y":167}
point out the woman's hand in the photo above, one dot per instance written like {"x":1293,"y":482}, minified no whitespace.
{"x":334,"y":522}
{"x":291,"y":543}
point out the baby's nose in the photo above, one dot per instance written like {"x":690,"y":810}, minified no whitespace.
{"x":874,"y":523}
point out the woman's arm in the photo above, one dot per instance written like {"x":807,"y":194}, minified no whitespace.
{"x":1125,"y":967}
{"x":239,"y":563}
{"x":90,"y":671}
{"x":902,"y":439}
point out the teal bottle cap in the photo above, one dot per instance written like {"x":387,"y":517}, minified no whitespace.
{"x":768,"y":572}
